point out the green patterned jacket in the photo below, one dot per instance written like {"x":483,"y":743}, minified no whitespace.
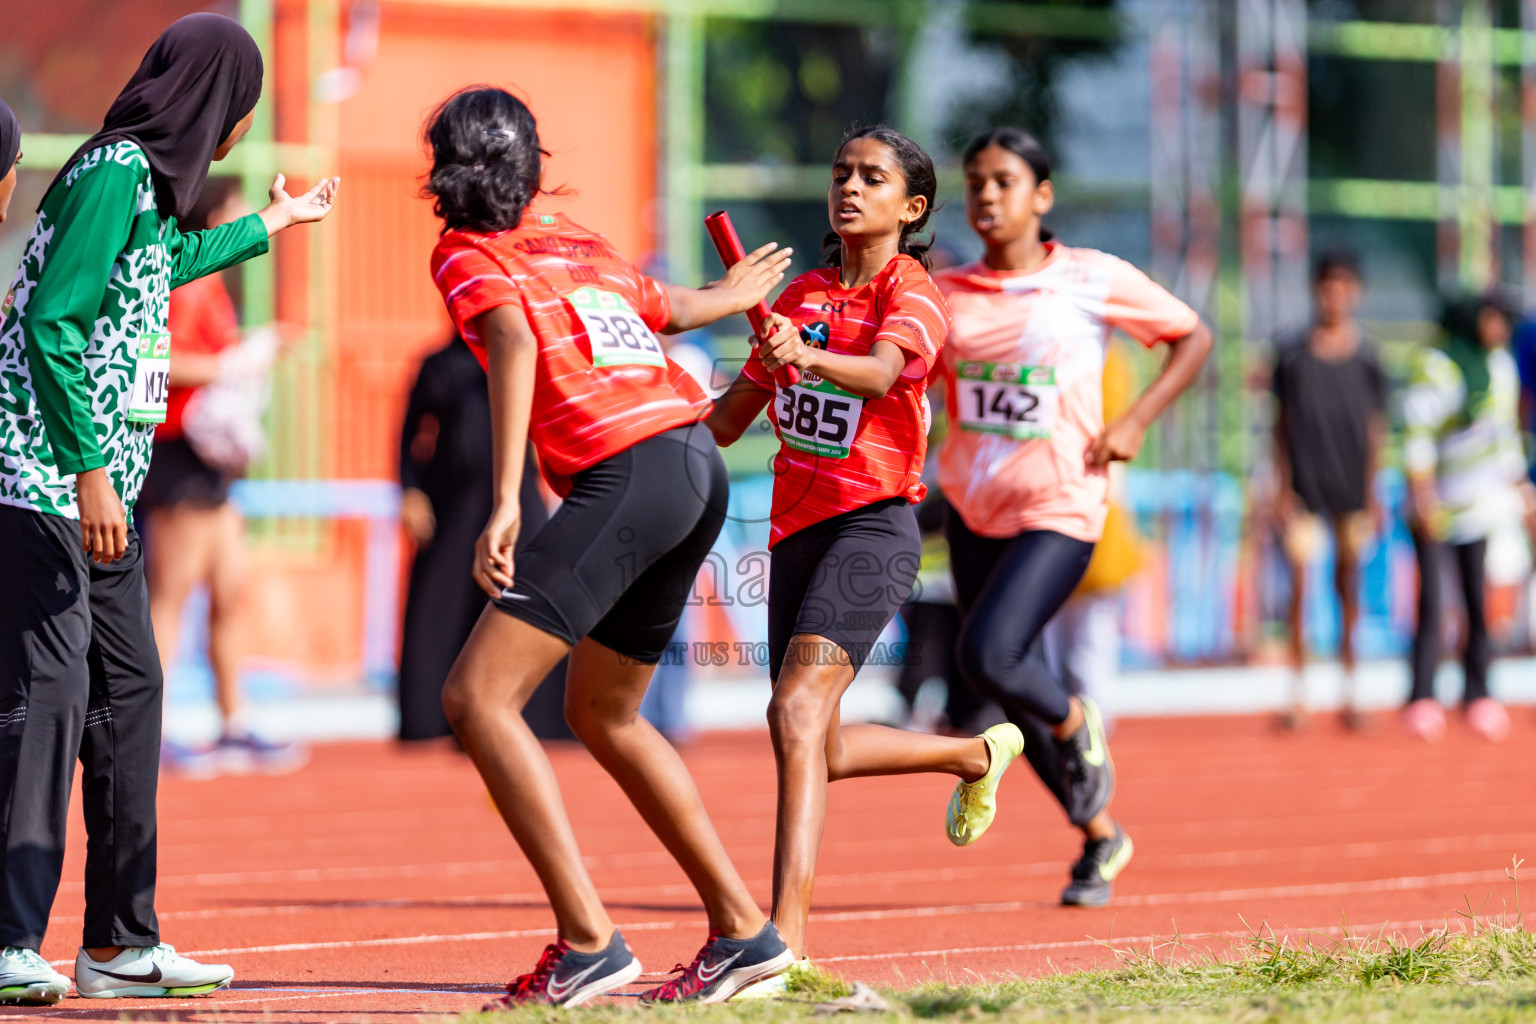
{"x":96,"y":275}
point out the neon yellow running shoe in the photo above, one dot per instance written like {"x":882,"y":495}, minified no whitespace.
{"x":974,"y":804}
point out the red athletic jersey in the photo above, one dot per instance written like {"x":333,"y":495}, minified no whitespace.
{"x":603,"y":383}
{"x":839,"y":452}
{"x":202,"y":320}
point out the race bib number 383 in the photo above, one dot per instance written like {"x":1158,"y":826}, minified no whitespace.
{"x":151,"y":378}
{"x":619,"y":336}
{"x":818,"y":417}
{"x":1008,"y":398}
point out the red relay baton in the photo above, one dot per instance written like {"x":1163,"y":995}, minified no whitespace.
{"x":728,"y":244}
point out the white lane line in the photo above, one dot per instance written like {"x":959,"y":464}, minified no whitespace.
{"x":404,"y":940}
{"x":1214,"y":858}
{"x":1405,"y":882}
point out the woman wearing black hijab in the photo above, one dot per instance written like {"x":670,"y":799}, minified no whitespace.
{"x":10,"y":150}
{"x":84,"y":358}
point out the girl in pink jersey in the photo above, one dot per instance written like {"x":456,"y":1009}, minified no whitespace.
{"x":1025,"y":465}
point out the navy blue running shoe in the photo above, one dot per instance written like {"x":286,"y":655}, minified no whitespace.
{"x":568,"y":977}
{"x":724,"y":967}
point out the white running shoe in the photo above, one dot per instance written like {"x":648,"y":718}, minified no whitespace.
{"x":776,"y":987}
{"x":148,"y":971}
{"x":26,"y":978}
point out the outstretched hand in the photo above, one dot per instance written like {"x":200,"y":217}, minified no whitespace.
{"x":284,"y":210}
{"x":751,"y":279}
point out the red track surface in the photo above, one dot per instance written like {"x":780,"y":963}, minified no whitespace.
{"x":375,"y":885}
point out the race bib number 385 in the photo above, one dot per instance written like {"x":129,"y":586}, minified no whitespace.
{"x":1008,"y":398}
{"x":619,"y":336}
{"x":151,"y":378}
{"x":818,"y":417}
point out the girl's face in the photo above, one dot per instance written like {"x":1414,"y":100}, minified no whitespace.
{"x":235,"y":135}
{"x":868,"y":196}
{"x":1003,"y":201}
{"x":1493,"y":328}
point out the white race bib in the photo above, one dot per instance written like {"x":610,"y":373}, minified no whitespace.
{"x":151,"y":378}
{"x":818,"y":417}
{"x":1022,"y":402}
{"x":619,"y":336}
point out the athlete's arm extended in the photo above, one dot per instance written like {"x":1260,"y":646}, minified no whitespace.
{"x":511,"y":355}
{"x":743,"y":286}
{"x":868,"y":376}
{"x":735,"y":410}
{"x":1121,"y":440}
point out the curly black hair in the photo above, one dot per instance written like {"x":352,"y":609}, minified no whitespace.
{"x":486,"y":159}
{"x":917,"y":170}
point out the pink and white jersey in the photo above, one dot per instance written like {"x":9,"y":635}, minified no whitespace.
{"x":1022,"y":377}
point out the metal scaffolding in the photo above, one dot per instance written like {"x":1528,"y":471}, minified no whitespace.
{"x":1230,"y":194}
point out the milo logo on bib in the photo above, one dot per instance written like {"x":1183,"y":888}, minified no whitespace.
{"x":818,"y":417}
{"x":1020,"y":401}
{"x":618,"y":335}
{"x":150,"y":389}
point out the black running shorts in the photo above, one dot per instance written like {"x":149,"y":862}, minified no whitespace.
{"x":843,"y":578}
{"x":618,"y":560}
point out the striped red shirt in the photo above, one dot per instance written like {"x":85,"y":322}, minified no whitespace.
{"x":603,"y":383}
{"x":839,"y":452}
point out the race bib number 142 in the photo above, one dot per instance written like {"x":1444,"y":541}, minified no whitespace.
{"x":1007,"y":398}
{"x":619,"y":336}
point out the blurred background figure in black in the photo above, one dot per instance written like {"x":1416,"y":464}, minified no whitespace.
{"x":1329,"y":430}
{"x":445,"y":481}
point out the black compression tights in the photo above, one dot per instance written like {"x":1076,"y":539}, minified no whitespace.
{"x":1007,"y":590}
{"x":1468,"y":562}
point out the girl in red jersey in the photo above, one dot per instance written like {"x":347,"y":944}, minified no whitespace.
{"x":845,"y":549}
{"x":1024,"y":467}
{"x":563,"y":325}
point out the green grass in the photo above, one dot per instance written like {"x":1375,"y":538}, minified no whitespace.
{"x":1474,"y":969}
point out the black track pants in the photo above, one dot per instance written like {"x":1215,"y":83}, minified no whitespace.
{"x":79,"y":679}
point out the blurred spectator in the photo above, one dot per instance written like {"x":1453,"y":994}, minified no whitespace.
{"x":212,"y":431}
{"x":445,"y":499}
{"x":1082,"y":640}
{"x":1331,"y":422}
{"x":1466,"y":479}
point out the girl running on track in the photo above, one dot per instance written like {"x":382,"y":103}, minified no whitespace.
{"x":844,"y":537}
{"x":1025,"y":464}
{"x":563,"y":325}
{"x":84,"y":357}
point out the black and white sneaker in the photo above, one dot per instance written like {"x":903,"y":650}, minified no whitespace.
{"x":724,"y":967}
{"x":27,"y":980}
{"x":1086,"y":768}
{"x":569,"y":977}
{"x":1092,"y":875}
